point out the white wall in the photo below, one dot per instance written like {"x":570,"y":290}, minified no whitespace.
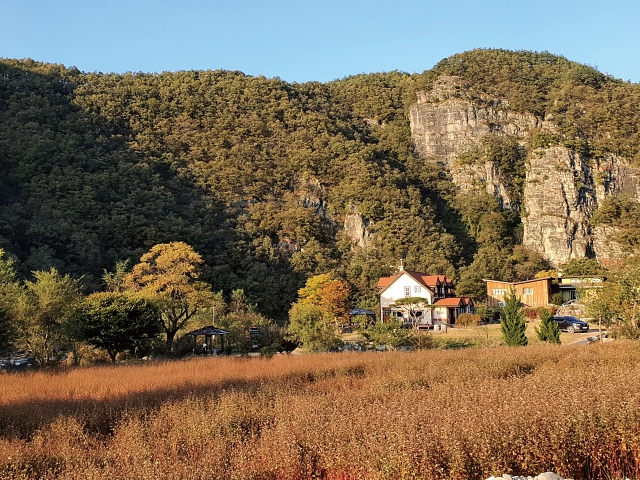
{"x":440,"y":313}
{"x":396,"y":291}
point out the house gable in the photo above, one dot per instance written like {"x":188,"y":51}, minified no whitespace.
{"x":399,"y":285}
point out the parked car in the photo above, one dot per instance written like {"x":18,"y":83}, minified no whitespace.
{"x":18,"y":363}
{"x":571,"y":324}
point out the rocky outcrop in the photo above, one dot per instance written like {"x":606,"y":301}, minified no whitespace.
{"x":562,"y":189}
{"x":542,"y":476}
{"x":479,"y":178}
{"x":357,"y":228}
{"x":444,"y":123}
{"x":559,"y":198}
{"x":311,"y":194}
{"x":614,"y":176}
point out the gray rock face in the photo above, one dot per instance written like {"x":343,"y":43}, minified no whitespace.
{"x":559,"y":200}
{"x":562,"y":190}
{"x":614,"y":176}
{"x":357,"y":228}
{"x":542,"y":476}
{"x":474,"y":179}
{"x":443,"y":125}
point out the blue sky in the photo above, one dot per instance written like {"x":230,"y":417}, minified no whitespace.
{"x":321,"y":40}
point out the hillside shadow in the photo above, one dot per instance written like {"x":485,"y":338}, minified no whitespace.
{"x":80,"y":190}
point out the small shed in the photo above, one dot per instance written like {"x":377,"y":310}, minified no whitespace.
{"x":210,"y":333}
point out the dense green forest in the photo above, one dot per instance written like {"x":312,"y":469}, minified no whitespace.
{"x":257,"y":174}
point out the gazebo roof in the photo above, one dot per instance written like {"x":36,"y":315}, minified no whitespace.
{"x":210,"y":330}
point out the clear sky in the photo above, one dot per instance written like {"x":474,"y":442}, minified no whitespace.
{"x":300,"y":40}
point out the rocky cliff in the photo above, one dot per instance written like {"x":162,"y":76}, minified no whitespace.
{"x":562,"y":189}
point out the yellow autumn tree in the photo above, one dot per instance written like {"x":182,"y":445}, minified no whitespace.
{"x":321,"y":300}
{"x":168,"y":274}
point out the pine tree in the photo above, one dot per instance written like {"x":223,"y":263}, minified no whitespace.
{"x":549,"y":330}
{"x":513,"y":324}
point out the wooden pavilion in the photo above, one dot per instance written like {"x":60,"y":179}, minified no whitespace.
{"x":210,"y":332}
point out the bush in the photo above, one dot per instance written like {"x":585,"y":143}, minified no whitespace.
{"x":468,"y":320}
{"x":487,"y":314}
{"x":556,"y":299}
{"x":549,"y":330}
{"x":390,"y":333}
{"x":422,"y":341}
{"x":534,"y":312}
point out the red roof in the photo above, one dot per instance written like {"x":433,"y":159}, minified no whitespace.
{"x":449,"y":302}
{"x":453,"y":302}
{"x":428,"y":281}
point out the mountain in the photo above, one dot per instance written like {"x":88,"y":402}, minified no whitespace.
{"x":493,"y":163}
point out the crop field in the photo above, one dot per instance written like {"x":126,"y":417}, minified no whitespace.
{"x":463,"y":414}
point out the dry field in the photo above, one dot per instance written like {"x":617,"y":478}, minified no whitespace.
{"x":462,"y":414}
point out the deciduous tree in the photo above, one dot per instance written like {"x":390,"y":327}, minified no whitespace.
{"x":115,"y":322}
{"x":167,"y":275}
{"x":413,"y":306}
{"x":42,"y":311}
{"x":309,"y":328}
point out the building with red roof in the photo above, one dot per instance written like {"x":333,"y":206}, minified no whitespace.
{"x":432,"y":299}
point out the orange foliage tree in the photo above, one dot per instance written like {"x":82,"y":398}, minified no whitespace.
{"x":328,"y":294}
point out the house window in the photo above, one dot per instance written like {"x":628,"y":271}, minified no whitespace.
{"x":407,"y":291}
{"x":497,"y":292}
{"x":527,"y":291}
{"x":417,"y":289}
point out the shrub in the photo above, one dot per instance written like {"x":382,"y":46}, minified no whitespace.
{"x":468,"y":320}
{"x":513,"y":324}
{"x":422,"y":340}
{"x":549,"y":330}
{"x":390,"y":333}
{"x":534,"y":312}
{"x":486,"y":313}
{"x":556,"y":299}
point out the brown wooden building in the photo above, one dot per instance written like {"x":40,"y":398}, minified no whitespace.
{"x":532,"y":293}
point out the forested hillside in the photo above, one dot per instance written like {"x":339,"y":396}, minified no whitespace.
{"x":258,"y":174}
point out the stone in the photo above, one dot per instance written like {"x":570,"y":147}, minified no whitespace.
{"x":549,"y":476}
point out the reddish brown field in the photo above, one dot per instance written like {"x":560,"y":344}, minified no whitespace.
{"x":463,"y":414}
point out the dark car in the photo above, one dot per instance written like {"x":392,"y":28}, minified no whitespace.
{"x":571,"y":324}
{"x":18,"y":363}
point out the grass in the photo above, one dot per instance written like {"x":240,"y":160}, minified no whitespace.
{"x":464,"y":414}
{"x":491,"y":335}
{"x":482,"y":336}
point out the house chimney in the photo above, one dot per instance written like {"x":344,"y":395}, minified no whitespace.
{"x":401,"y":267}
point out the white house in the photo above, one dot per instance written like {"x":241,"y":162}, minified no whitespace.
{"x":440,"y":306}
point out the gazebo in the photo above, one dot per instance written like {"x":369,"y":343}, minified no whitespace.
{"x":209,"y":334}
{"x":360,"y":311}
